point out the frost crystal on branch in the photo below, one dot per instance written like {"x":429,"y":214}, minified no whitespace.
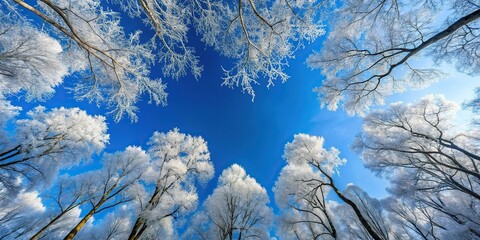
{"x":48,"y":141}
{"x":87,"y":39}
{"x":237,"y":208}
{"x":373,"y":48}
{"x":177,"y":162}
{"x":431,"y":163}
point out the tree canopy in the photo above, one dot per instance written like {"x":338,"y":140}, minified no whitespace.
{"x":374,"y":47}
{"x":60,"y":178}
{"x":114,"y":64}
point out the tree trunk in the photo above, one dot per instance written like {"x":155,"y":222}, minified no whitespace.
{"x":84,"y":220}
{"x":140,"y":226}
{"x":437,"y":37}
{"x":138,"y":229}
{"x":54,"y":220}
{"x":357,"y":211}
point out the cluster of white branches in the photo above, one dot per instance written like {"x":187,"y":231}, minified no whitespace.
{"x":112,"y":67}
{"x":431,"y":163}
{"x":374,"y":47}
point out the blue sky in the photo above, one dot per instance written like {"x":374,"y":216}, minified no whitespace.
{"x":252,"y":134}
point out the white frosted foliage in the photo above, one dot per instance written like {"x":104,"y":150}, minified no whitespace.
{"x":381,"y":47}
{"x":47,"y":141}
{"x":237,"y":208}
{"x":177,"y":162}
{"x":30,"y":60}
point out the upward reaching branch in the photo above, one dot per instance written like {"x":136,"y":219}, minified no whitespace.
{"x":362,"y":65}
{"x":116,"y":66}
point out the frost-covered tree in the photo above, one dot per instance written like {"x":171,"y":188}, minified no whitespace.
{"x":374,"y":212}
{"x":19,"y":214}
{"x":71,"y":194}
{"x":47,"y":141}
{"x":371,"y":50}
{"x":64,"y":201}
{"x":177,"y":162}
{"x":71,"y":204}
{"x":305,"y":211}
{"x":430,"y":161}
{"x":170,"y":22}
{"x":415,"y":219}
{"x":237,"y":208}
{"x":303,"y":186}
{"x":114,"y":226}
{"x":260,"y":36}
{"x":140,"y":192}
{"x":115,"y":66}
{"x":111,"y":185}
{"x":89,"y":39}
{"x":30,"y":60}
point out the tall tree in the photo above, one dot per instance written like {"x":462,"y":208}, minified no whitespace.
{"x":47,"y":141}
{"x":111,"y":184}
{"x":375,"y":214}
{"x":238,"y":208}
{"x":178,"y":161}
{"x":305,"y":211}
{"x":115,"y":225}
{"x":429,"y":160}
{"x":303,"y":187}
{"x":64,"y":201}
{"x":371,"y":50}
